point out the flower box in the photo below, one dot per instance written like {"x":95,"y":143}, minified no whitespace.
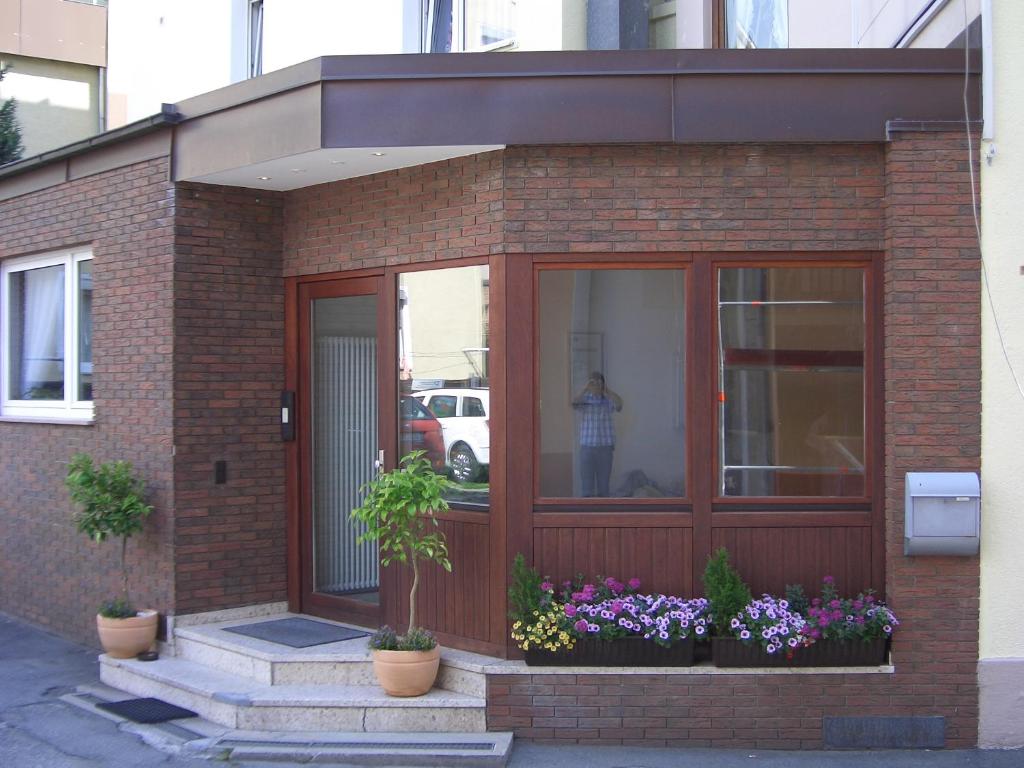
{"x":730,"y":652}
{"x":621,"y":652}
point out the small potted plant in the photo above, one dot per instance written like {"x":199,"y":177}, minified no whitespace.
{"x":398,"y":512}
{"x":111,"y":502}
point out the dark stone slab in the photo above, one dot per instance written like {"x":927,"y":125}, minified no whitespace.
{"x":884,"y":732}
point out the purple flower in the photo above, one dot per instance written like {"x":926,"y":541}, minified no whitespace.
{"x":547,"y":586}
{"x":745,"y":635}
{"x":581,"y":625}
{"x":570,"y":610}
{"x":634,"y":583}
{"x":887,"y":629}
{"x":829,"y":580}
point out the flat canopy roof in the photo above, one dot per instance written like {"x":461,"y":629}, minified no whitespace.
{"x":342,"y":116}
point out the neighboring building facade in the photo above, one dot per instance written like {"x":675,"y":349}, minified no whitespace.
{"x":56,"y":54}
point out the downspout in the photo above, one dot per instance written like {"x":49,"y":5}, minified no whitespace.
{"x":987,"y":99}
{"x":102,"y":99}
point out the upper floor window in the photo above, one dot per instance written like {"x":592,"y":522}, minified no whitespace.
{"x":467,"y":25}
{"x":255,"y":38}
{"x":46,"y":369}
{"x":757,"y":23}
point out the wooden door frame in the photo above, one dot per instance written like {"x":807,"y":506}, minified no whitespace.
{"x":299,"y":293}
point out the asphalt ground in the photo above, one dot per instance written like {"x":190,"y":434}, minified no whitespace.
{"x":40,"y":730}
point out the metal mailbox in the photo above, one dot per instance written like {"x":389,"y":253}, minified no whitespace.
{"x":943,"y":513}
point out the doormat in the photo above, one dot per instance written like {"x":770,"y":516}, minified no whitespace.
{"x":146,"y":710}
{"x":297,"y":633}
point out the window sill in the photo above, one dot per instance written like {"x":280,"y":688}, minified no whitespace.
{"x":58,"y":420}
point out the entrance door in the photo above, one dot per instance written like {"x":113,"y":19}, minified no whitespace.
{"x":340,"y":397}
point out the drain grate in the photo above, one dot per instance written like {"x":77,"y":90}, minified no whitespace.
{"x":390,"y":745}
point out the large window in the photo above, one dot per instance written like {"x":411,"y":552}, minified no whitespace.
{"x":47,"y":336}
{"x":444,"y":384}
{"x":791,"y":381}
{"x":612,"y":390}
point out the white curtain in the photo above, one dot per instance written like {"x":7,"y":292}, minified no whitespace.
{"x":42,"y":350}
{"x":758,"y":24}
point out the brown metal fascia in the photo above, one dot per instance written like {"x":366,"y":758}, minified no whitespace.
{"x":647,"y":62}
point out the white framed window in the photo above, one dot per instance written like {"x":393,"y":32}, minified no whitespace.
{"x":46,"y":336}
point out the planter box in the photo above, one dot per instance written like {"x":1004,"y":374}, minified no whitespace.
{"x":625,"y":652}
{"x":729,"y":652}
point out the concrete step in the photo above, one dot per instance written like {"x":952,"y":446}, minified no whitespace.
{"x":241,"y":702}
{"x":343,"y":663}
{"x":487,"y":750}
{"x":201,"y":738}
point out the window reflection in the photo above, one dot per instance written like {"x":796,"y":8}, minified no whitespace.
{"x":612,"y":395}
{"x":443,"y":349}
{"x":791,"y":382}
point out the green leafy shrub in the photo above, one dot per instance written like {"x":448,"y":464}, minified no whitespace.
{"x":525,"y":594}
{"x":724,"y":589}
{"x":797,"y":599}
{"x":398,"y":512}
{"x":386,"y":639}
{"x":117,"y":609}
{"x":111,"y":501}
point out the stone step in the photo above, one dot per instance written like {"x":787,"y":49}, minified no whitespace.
{"x":243,"y":703}
{"x":201,"y":738}
{"x":343,"y":663}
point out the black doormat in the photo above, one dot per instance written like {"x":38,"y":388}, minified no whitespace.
{"x":297,"y":633}
{"x":146,"y":710}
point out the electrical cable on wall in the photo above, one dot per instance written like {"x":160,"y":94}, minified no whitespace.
{"x":974,"y":206}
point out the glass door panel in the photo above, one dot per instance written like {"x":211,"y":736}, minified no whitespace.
{"x":344,"y":439}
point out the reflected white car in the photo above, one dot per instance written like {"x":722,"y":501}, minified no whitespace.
{"x":464,"y":415}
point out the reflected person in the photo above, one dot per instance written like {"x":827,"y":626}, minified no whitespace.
{"x":595,"y":404}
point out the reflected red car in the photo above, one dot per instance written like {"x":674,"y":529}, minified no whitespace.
{"x":419,"y":430}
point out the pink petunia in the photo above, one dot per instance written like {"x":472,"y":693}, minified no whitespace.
{"x":634,"y":583}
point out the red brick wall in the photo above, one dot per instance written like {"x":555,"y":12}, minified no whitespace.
{"x":933,"y":408}
{"x":49,"y":573}
{"x":229,"y":371}
{"x":443,"y":210}
{"x":693,"y":198}
{"x":781,"y":198}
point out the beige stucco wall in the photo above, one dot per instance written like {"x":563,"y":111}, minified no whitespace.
{"x":58,"y":102}
{"x":1001,"y":673}
{"x":1003,"y":415}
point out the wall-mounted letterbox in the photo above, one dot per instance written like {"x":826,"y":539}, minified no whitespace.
{"x":943,"y":513}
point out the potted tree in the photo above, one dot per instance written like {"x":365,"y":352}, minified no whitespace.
{"x":398,"y":512}
{"x":111,"y":503}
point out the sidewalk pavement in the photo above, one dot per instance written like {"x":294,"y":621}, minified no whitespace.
{"x":39,"y":730}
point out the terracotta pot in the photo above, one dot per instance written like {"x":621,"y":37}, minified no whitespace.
{"x":406,"y":673}
{"x":127,"y":638}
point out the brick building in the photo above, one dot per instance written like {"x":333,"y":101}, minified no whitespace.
{"x":768,"y":255}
